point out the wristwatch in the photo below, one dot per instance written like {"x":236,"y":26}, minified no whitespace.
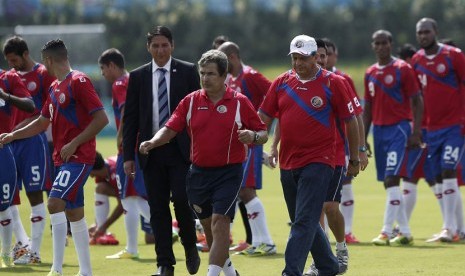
{"x":256,"y":137}
{"x":362,"y":149}
{"x":354,"y":162}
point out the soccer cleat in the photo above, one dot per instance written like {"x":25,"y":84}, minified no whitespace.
{"x":445,"y":236}
{"x":203,"y":246}
{"x":261,"y":250}
{"x":395,"y":231}
{"x":123,"y":254}
{"x":107,"y":239}
{"x":54,"y":273}
{"x":239,"y":247}
{"x":401,"y":240}
{"x":6,"y":261}
{"x":19,"y":250}
{"x":312,"y":270}
{"x":350,"y":239}
{"x":343,"y":260}
{"x":28,"y":258}
{"x":381,"y":239}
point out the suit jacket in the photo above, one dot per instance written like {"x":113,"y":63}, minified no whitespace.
{"x":138,"y":114}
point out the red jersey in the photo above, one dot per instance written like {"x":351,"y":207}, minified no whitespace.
{"x":441,"y":77}
{"x":110,"y":164}
{"x":11,"y":83}
{"x":213,"y":128}
{"x":389,"y":89}
{"x":250,"y":83}
{"x":307,"y":112}
{"x":69,"y":107}
{"x":37,"y":83}
{"x":118,"y":96}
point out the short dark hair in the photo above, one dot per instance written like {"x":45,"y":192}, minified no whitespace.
{"x":433,"y":22}
{"x":321,"y":44}
{"x":16,"y":45}
{"x":217,"y":57}
{"x":219,"y":40}
{"x":406,"y":51}
{"x":112,"y":55}
{"x":160,"y":30}
{"x":55,"y":48}
{"x":330,"y":44}
{"x":99,"y":163}
{"x":382,"y":32}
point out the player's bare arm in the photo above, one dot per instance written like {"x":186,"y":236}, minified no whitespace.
{"x":24,"y":104}
{"x":353,"y":139}
{"x":35,"y":127}
{"x":363,"y":156}
{"x":414,"y":140}
{"x":367,"y":124}
{"x":163,"y":136}
{"x":99,"y":121}
{"x":119,"y":134}
{"x":273,"y":159}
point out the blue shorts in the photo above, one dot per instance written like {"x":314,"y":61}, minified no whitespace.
{"x":145,"y":226}
{"x":214,"y":190}
{"x":34,"y":163}
{"x":419,"y":165}
{"x":126,"y":185}
{"x":390,"y":148}
{"x":335,"y":186}
{"x":253,"y":168}
{"x":69,"y":183}
{"x":8,"y":177}
{"x":445,"y":149}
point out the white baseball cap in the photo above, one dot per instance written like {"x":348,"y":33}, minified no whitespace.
{"x":304,"y":45}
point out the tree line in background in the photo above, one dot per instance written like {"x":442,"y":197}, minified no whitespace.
{"x":263,"y":33}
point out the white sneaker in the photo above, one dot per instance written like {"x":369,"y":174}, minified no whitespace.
{"x":343,"y":260}
{"x":28,"y":258}
{"x":445,"y":236}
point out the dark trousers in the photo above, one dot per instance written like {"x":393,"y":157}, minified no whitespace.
{"x":165,"y":181}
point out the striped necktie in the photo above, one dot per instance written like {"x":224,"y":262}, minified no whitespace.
{"x":163,"y":110}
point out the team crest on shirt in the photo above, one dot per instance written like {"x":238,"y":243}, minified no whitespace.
{"x":441,"y":68}
{"x":221,"y":109}
{"x":388,"y":79}
{"x":50,"y":109}
{"x":197,"y":208}
{"x":31,"y":86}
{"x":317,"y":102}
{"x":62,"y":98}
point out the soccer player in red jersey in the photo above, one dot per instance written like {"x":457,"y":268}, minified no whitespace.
{"x":440,"y":70}
{"x":392,"y":100}
{"x":13,"y":94}
{"x":307,"y":100}
{"x":77,"y":116}
{"x":213,"y":115}
{"x":32,"y":155}
{"x":246,"y":80}
{"x":131,"y":190}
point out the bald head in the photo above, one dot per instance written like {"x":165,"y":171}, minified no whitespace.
{"x":229,"y":48}
{"x":427,"y":23}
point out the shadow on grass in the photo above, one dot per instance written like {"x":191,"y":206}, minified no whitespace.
{"x":415,"y":245}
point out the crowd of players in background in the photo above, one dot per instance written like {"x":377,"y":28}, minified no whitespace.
{"x":414,"y":103}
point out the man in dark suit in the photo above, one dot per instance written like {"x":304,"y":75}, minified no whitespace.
{"x":154,"y":91}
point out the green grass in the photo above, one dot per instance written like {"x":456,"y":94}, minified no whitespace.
{"x":365,"y":259}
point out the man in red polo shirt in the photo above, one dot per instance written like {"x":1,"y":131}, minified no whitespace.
{"x":214,"y":115}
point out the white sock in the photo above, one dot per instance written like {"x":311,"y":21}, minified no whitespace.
{"x":257,"y":221}
{"x":81,"y":244}
{"x":59,"y":229}
{"x":228,"y":268}
{"x":341,"y":245}
{"x":18,"y":228}
{"x":437,"y":191}
{"x":394,"y":197}
{"x":101,"y":209}
{"x":131,"y":223}
{"x":409,"y":197}
{"x":6,"y":230}
{"x":38,"y":215}
{"x":143,"y":207}
{"x":459,"y":213}
{"x":214,"y":270}
{"x":347,"y":207}
{"x":402,"y":220}
{"x":449,"y":195}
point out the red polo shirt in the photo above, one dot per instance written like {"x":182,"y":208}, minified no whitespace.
{"x":213,"y":128}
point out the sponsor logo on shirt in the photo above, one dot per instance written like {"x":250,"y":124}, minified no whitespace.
{"x":357,"y":103}
{"x":202,"y":108}
{"x":302,"y":88}
{"x":350,"y":107}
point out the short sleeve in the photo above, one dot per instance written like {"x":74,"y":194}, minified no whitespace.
{"x":178,"y":120}
{"x":84,"y":93}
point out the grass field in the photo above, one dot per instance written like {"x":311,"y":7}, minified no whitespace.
{"x":365,"y":259}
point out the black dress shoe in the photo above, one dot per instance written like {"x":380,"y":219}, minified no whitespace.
{"x":192,"y":260}
{"x":164,"y":271}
